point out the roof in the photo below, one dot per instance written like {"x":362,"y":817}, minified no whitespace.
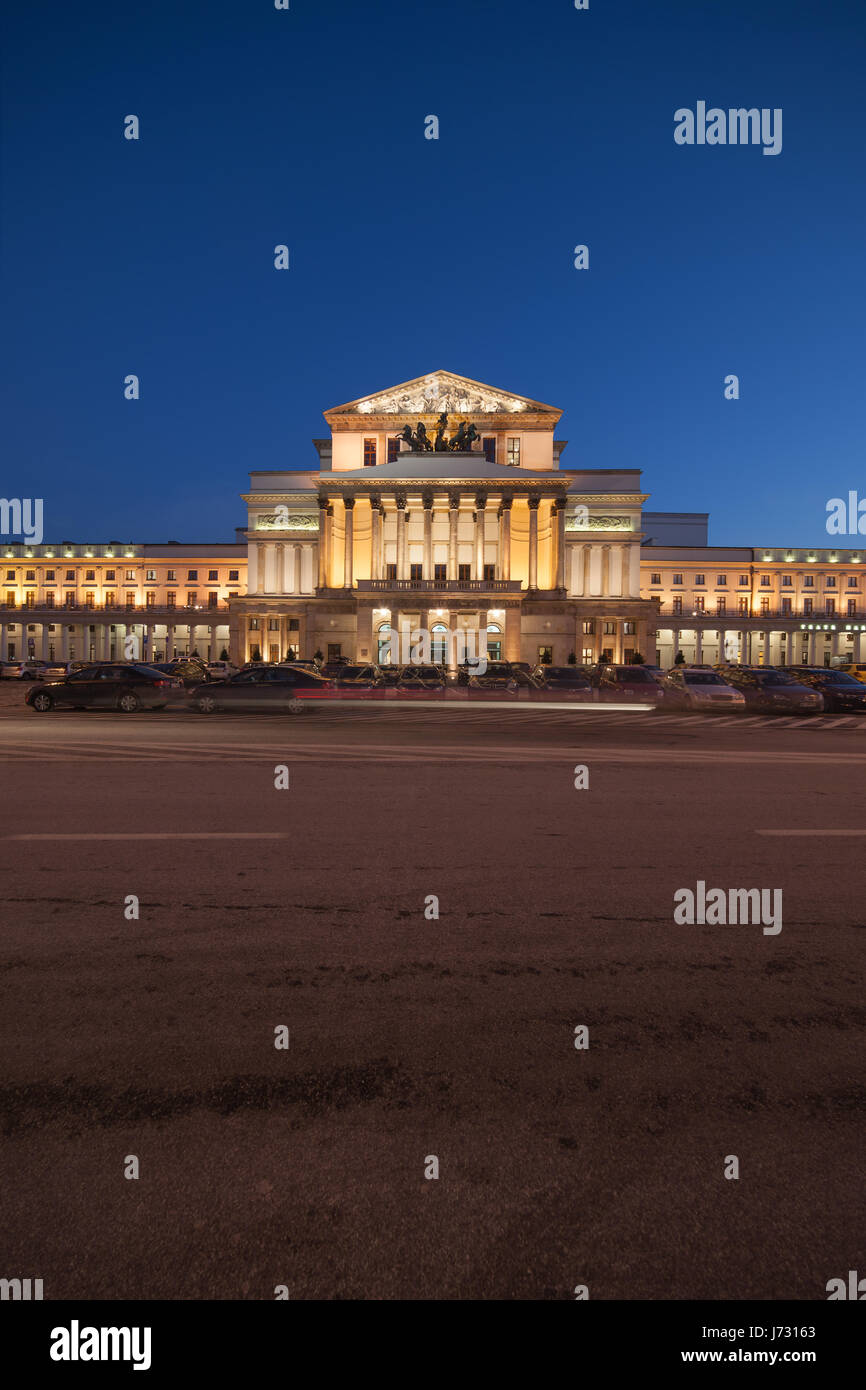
{"x":438,"y":468}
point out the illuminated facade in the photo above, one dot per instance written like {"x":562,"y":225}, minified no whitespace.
{"x":493,"y":540}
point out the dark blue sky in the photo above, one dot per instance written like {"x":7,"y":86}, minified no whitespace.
{"x":306,"y":127}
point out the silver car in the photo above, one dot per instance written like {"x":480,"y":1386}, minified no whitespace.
{"x":698,"y":687}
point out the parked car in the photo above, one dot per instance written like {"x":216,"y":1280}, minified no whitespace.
{"x":360,"y":682}
{"x":857,"y":669}
{"x":263,"y":689}
{"x":500,"y":679}
{"x":10,"y":670}
{"x":774,"y":692}
{"x":613,"y":683}
{"x":390,"y":675}
{"x":426,"y":682}
{"x":189,"y":669}
{"x":33,"y":670}
{"x":699,"y":687}
{"x":333,"y":668}
{"x":562,"y":683}
{"x":840,"y":692}
{"x":221,"y":669}
{"x":127,"y":687}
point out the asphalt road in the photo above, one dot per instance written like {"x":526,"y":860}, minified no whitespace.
{"x":411,"y":1036}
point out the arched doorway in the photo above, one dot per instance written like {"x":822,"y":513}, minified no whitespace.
{"x":439,"y":644}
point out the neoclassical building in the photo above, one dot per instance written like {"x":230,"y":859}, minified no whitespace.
{"x":492,"y":540}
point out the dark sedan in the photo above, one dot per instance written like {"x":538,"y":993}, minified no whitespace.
{"x":263,"y":689}
{"x":421,"y":682}
{"x":562,"y":683}
{"x":841,"y":692}
{"x":631,"y":684}
{"x":361,"y":683}
{"x":125,"y":687}
{"x":501,"y":679}
{"x":774,"y":692}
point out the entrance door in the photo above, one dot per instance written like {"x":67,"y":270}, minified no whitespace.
{"x":274,"y":651}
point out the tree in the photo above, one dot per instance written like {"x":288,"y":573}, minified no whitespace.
{"x":572,"y":658}
{"x":679,"y":660}
{"x":317,"y":655}
{"x":256,"y":654}
{"x":637,"y":659}
{"x":224,"y":656}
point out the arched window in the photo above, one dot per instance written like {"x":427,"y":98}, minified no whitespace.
{"x":494,"y":627}
{"x":383,"y":644}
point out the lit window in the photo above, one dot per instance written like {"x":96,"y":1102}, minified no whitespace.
{"x":513,"y":453}
{"x":369,"y":453}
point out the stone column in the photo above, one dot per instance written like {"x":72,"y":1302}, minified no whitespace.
{"x":400,"y":500}
{"x":453,"y":515}
{"x":349,"y":548}
{"x":480,"y":512}
{"x":699,"y":646}
{"x":44,"y":646}
{"x":452,"y":640}
{"x":427,"y":567}
{"x":534,"y":501}
{"x":605,"y":570}
{"x":675,"y":635}
{"x":559,"y":514}
{"x":512,"y":632}
{"x":375,"y":536}
{"x":481,"y":639}
{"x":364,"y":651}
{"x":323,"y":542}
{"x":4,"y":642}
{"x":505,"y":537}
{"x":260,"y":568}
{"x":169,"y":642}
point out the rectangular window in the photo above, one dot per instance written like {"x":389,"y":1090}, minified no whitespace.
{"x":786,"y":608}
{"x":628,"y":629}
{"x":212,"y":576}
{"x":49,"y":576}
{"x":513,"y":456}
{"x":588,"y":627}
{"x":809,"y":581}
{"x":807,"y":607}
{"x":743,"y":580}
{"x":130,"y":600}
{"x":334,"y":651}
{"x":545,"y":655}
{"x":656,"y":578}
{"x":678,"y":579}
{"x":831,"y":581}
{"x":150,"y":599}
{"x":109,"y":598}
{"x":10,"y":574}
{"x":254,"y":624}
{"x":700,"y":579}
{"x":393,"y":450}
{"x":489,"y":572}
{"x":70,"y":576}
{"x":70,"y":600}
{"x":852,"y":581}
{"x":415,"y":571}
{"x":171,"y":577}
{"x":191,"y":575}
{"x":390,"y":571}
{"x":829,"y":606}
{"x":29,"y":600}
{"x":678,"y":604}
{"x":787,"y":581}
{"x":721,"y":604}
{"x":233,"y":576}
{"x":440,"y":573}
{"x":721,"y":580}
{"x":110,"y":576}
{"x":171,"y":600}
{"x":464,"y":572}
{"x":273,"y":624}
{"x":610,"y":629}
{"x":586,"y":654}
{"x":742,"y":604}
{"x":89,"y":599}
{"x":213,"y":600}
{"x":852,"y":607}
{"x":489,"y":447}
{"x":150,"y":576}
{"x":191,"y":599}
{"x":130,"y":574}
{"x":699,"y":603}
{"x":49,"y":600}
{"x":90,"y":576}
{"x":765,"y":581}
{"x":369,"y":453}
{"x":765,"y":605}
{"x":30,"y":576}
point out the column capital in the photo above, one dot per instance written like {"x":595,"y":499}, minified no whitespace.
{"x":534,"y":501}
{"x":376,"y":501}
{"x":506,"y":503}
{"x":453,"y":501}
{"x":323,"y":501}
{"x":400,"y":499}
{"x":481,"y":501}
{"x":428,"y":501}
{"x":348,"y":503}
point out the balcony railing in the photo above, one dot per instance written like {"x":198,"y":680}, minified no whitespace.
{"x":732,"y":616}
{"x":119,"y":608}
{"x":440,"y":586}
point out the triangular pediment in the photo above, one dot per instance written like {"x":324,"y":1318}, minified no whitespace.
{"x":442,"y":391}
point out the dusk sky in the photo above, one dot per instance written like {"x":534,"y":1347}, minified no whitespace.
{"x":306,"y":127}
